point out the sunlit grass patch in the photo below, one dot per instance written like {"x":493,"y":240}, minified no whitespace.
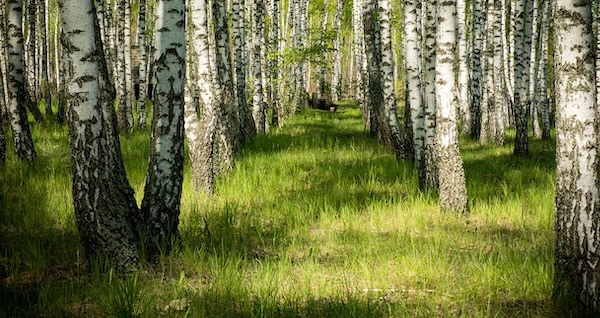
{"x":314,"y":220}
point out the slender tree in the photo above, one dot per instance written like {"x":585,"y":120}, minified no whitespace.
{"x":142,"y":76}
{"x":414,"y":90}
{"x":227,"y":115}
{"x":477,"y":67}
{"x":247,"y":127}
{"x":258,"y":103}
{"x":393,"y":130}
{"x":162,"y":192}
{"x":577,"y":279}
{"x":522,"y":38}
{"x":17,"y":92}
{"x":275,"y":62}
{"x":201,"y":135}
{"x":463,"y":66}
{"x":453,"y":191}
{"x":429,"y":56}
{"x":336,"y":78}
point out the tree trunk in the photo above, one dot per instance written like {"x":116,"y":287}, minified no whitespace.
{"x":521,"y":104}
{"x":577,"y":279}
{"x":429,"y":149}
{"x":17,"y":92}
{"x":123,"y":76}
{"x":453,"y":191}
{"x":543,"y":100}
{"x":464,"y":101}
{"x":359,"y":56}
{"x":533,"y":66}
{"x":142,"y":77}
{"x":257,"y":74}
{"x":477,"y":70}
{"x":336,"y":77}
{"x":227,"y":115}
{"x":201,"y":136}
{"x":162,"y":192}
{"x":247,"y":127}
{"x":103,"y":204}
{"x":390,"y":116}
{"x":414,"y":90}
{"x":274,"y":64}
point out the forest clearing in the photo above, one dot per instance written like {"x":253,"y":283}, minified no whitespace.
{"x":315,"y":220}
{"x":299,"y":158}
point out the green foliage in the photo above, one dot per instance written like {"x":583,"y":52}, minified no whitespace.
{"x":315,"y":220}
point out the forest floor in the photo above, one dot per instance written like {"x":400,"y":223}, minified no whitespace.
{"x":315,"y":220}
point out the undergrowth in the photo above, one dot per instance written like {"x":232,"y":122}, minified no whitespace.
{"x":315,"y":220}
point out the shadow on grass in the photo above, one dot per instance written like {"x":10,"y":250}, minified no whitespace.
{"x":494,"y":174}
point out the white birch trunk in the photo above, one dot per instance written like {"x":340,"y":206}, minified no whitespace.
{"x":142,"y":75}
{"x":238,"y":29}
{"x":413,"y":47}
{"x":387,"y":80}
{"x":162,"y":192}
{"x":201,"y":135}
{"x":464,"y":101}
{"x":103,"y":200}
{"x":577,"y":279}
{"x":258,"y":104}
{"x":429,"y":149}
{"x":336,"y":76}
{"x":452,"y":185}
{"x":17,"y":92}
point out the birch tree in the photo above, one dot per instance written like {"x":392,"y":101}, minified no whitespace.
{"x":577,"y":279}
{"x":247,"y":127}
{"x":477,"y":70}
{"x":17,"y":93}
{"x":275,"y":62}
{"x":103,"y":200}
{"x":393,"y":129}
{"x":201,"y":135}
{"x":142,"y":76}
{"x":162,"y":192}
{"x":521,"y":77}
{"x":336,"y":76}
{"x":429,"y":149}
{"x":412,"y":41}
{"x":452,"y":185}
{"x":463,"y":66}
{"x":227,"y":114}
{"x":258,"y":104}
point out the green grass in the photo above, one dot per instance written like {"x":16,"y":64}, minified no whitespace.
{"x":315,"y":220}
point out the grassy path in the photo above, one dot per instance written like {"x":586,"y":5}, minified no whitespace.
{"x":316,"y":220}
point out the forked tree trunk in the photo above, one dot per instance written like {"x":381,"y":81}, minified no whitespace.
{"x":577,"y":279}
{"x":452,"y":185}
{"x":162,"y":192}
